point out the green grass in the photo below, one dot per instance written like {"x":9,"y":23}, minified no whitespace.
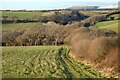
{"x":43,"y":62}
{"x":111,"y":25}
{"x":96,"y":12}
{"x":19,"y":25}
{"x":23,"y":15}
{"x":116,"y":16}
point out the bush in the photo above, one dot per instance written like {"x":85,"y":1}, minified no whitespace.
{"x":104,"y":52}
{"x":112,"y":18}
{"x":100,"y":47}
{"x":31,"y":35}
{"x":92,"y":20}
{"x":8,"y":37}
{"x":95,"y":46}
{"x":47,"y":34}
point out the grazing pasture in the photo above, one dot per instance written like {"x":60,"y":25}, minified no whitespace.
{"x":116,"y":16}
{"x":111,"y":25}
{"x":13,"y":26}
{"x":23,"y":15}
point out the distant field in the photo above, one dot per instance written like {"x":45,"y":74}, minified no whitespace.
{"x":111,"y":25}
{"x":19,"y":25}
{"x":116,"y":16}
{"x":43,"y":62}
{"x":96,"y":12}
{"x":23,"y":15}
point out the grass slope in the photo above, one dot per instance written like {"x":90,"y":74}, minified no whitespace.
{"x":111,"y":25}
{"x":43,"y":62}
{"x":23,"y":15}
{"x":116,"y":16}
{"x":19,"y":25}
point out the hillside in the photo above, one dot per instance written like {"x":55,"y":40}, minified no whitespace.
{"x":107,"y":7}
{"x":22,"y":15}
{"x":83,"y":8}
{"x":39,"y":48}
{"x":43,"y":62}
{"x":10,"y":26}
{"x":111,"y":25}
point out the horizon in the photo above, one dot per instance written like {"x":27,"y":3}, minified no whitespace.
{"x":50,"y":5}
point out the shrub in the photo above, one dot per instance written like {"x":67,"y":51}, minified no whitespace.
{"x":100,"y":47}
{"x":48,"y":34}
{"x":92,"y":20}
{"x":82,"y":37}
{"x":95,"y":46}
{"x":112,"y":18}
{"x":104,"y":52}
{"x":8,"y":37}
{"x":31,"y":35}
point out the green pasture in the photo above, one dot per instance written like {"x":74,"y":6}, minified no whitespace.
{"x":22,"y":15}
{"x":111,"y":25}
{"x":13,"y":26}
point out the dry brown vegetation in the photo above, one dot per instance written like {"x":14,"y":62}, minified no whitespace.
{"x":97,"y":47}
{"x":8,"y":37}
{"x":46,"y":34}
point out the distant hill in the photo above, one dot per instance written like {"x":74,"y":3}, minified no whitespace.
{"x":83,"y":8}
{"x":93,"y":7}
{"x":108,"y":7}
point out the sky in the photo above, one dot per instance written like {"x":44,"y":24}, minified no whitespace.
{"x":50,"y":4}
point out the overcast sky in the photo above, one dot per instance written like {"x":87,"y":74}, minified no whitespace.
{"x":51,"y":4}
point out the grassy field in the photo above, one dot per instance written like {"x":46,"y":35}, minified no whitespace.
{"x":19,"y":25}
{"x":43,"y":62}
{"x":23,"y":15}
{"x":116,"y":16}
{"x":111,"y":25}
{"x":96,"y":12}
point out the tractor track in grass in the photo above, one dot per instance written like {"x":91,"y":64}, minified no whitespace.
{"x":43,"y":62}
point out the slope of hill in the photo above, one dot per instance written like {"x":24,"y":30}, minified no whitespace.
{"x":43,"y":62}
{"x":22,"y":15}
{"x":83,"y":8}
{"x":6,"y":27}
{"x":111,"y":25}
{"x":93,"y":7}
